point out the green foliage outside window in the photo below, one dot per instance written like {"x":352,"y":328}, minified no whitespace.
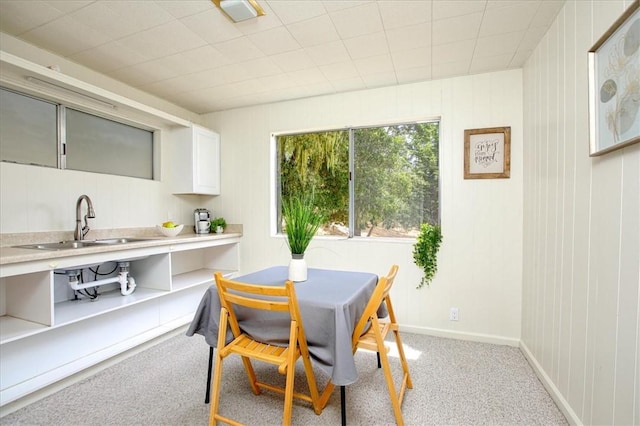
{"x":395,"y":172}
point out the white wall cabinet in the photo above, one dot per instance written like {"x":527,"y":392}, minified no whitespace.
{"x":195,"y":159}
{"x":39,"y":314}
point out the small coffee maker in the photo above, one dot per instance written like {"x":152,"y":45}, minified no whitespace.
{"x":201,"y":221}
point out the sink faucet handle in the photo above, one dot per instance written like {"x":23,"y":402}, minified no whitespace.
{"x":86,"y":228}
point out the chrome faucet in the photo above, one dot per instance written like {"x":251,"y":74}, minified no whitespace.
{"x":81,"y":231}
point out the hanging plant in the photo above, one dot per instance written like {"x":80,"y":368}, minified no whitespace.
{"x":425,"y":251}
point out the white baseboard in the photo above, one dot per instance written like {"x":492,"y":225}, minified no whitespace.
{"x":474,"y":337}
{"x":560,"y":401}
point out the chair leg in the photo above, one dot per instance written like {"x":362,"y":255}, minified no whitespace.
{"x":209,"y":370}
{"x":392,"y":390}
{"x":378,"y":354}
{"x":291,"y":374}
{"x":217,"y":380}
{"x":343,"y":406}
{"x":403,"y":359}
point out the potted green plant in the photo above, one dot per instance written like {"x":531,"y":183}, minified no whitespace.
{"x":218,"y":225}
{"x":301,"y":220}
{"x":425,"y":251}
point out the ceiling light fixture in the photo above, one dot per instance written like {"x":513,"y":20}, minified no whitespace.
{"x":239,"y":10}
{"x":73,"y":93}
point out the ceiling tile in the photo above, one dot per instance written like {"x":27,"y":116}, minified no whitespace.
{"x":201,"y":58}
{"x":532,"y":37}
{"x":380,"y":79}
{"x":409,"y":59}
{"x":453,"y":52}
{"x":260,"y":67}
{"x":401,"y":13}
{"x":374,"y":65}
{"x":211,"y":26}
{"x":409,"y":37}
{"x":367,"y":45}
{"x":108,"y":57}
{"x":459,"y":28}
{"x":307,"y":76}
{"x":275,"y":82}
{"x":443,"y":9}
{"x":164,"y":40}
{"x":333,"y":6}
{"x":145,"y":14}
{"x":547,"y":11}
{"x":490,"y":63}
{"x":498,"y":44}
{"x":293,"y":61}
{"x":67,"y":6}
{"x":104,"y":19}
{"x":411,"y":75}
{"x":274,"y":41}
{"x":239,"y":49}
{"x":314,"y":32}
{"x":164,"y":88}
{"x":181,"y":8}
{"x":290,"y":11}
{"x":357,"y":21}
{"x":231,"y":73}
{"x":71,"y":37}
{"x":329,"y":53}
{"x":508,"y":19}
{"x":349,"y":84}
{"x":339,"y":71}
{"x":17,"y":17}
{"x":450,"y":69}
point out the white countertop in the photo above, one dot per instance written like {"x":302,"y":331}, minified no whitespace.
{"x":9,"y":254}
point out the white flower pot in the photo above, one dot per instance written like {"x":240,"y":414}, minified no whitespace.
{"x":297,"y":268}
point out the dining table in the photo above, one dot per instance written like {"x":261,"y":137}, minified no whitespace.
{"x":330,"y":301}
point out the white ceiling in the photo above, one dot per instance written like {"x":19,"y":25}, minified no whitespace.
{"x":189,"y":53}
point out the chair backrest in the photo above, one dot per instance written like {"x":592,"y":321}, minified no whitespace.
{"x":263,"y":297}
{"x":380,"y":293}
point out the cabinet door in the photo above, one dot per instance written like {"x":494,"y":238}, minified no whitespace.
{"x":206,"y":172}
{"x":195,"y":161}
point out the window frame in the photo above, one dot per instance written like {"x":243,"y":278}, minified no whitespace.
{"x":275,"y":202}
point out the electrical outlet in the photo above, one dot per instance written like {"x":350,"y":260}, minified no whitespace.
{"x":453,"y":314}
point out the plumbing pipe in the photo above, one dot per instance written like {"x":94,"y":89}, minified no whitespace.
{"x":127,"y":283}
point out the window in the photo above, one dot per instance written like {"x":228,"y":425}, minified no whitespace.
{"x":368,"y":182}
{"x":38,"y":132}
{"x":28,"y":130}
{"x":95,"y":144}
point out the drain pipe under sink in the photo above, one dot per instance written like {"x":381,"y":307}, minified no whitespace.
{"x":127,"y":282}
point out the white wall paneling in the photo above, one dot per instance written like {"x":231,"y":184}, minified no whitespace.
{"x":581,"y":258}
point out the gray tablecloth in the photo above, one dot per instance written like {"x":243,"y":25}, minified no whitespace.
{"x":330,"y":303}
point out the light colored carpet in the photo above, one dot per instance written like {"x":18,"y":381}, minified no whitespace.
{"x":455,"y":383}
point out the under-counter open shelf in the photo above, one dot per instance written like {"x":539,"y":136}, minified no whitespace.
{"x":16,"y":328}
{"x":39,"y":312}
{"x":77,"y":310}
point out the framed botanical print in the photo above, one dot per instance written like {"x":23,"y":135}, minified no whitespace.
{"x":614,"y":85}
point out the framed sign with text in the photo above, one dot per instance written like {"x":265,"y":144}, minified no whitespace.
{"x":487,"y":153}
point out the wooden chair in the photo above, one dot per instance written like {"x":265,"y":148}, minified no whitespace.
{"x":373,"y":337}
{"x":267,"y":298}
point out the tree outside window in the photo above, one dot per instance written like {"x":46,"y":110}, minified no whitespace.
{"x":394,"y":170}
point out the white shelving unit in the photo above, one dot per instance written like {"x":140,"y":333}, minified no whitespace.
{"x":38,"y":313}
